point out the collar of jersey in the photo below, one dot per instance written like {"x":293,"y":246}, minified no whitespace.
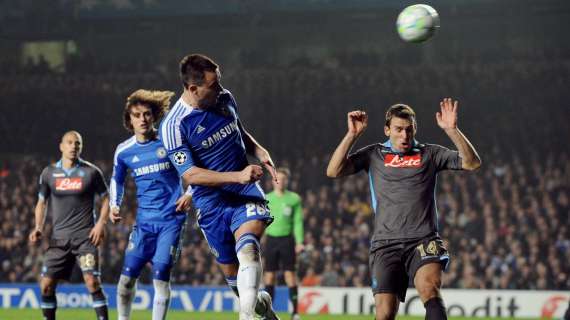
{"x":146,"y":142}
{"x":185,"y":105}
{"x":388,"y":144}
{"x":69,"y":171}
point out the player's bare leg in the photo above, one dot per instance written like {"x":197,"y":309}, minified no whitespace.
{"x":93,"y":284}
{"x":387,"y":305}
{"x":428,"y":284}
{"x":49,"y":302}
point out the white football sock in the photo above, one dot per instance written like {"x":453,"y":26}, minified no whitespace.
{"x":249,"y":275}
{"x":161,"y":299}
{"x":126,"y":289}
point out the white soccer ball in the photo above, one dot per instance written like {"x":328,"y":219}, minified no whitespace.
{"x":417,"y":23}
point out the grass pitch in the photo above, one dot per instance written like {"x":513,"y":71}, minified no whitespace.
{"x":89,"y":314}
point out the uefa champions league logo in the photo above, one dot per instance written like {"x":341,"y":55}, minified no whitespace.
{"x":180,"y":158}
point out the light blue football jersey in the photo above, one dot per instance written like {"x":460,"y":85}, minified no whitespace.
{"x":157,"y":182}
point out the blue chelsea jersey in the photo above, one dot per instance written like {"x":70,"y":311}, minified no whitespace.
{"x":158,"y":185}
{"x":209,"y":139}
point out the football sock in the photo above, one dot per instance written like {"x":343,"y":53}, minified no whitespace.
{"x":270,"y":290}
{"x":232,"y":283}
{"x":249,"y":274}
{"x":126,"y":290}
{"x":435,"y":310}
{"x":100,"y":304}
{"x":161,"y":299}
{"x":293,"y":292}
{"x":49,"y":306}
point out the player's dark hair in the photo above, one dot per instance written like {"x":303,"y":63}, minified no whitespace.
{"x":192,"y":68}
{"x":284,"y":170}
{"x":402,"y":111}
{"x":158,"y":101}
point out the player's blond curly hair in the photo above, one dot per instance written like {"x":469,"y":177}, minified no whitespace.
{"x":158,"y":101}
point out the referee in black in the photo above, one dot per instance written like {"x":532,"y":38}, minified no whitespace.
{"x":284,"y":237}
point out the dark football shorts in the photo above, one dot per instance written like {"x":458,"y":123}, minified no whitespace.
{"x":395,"y":262}
{"x":279,"y":251}
{"x":62,"y":254}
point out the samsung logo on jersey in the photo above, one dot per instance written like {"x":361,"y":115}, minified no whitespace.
{"x":220,"y":134}
{"x":152,"y":168}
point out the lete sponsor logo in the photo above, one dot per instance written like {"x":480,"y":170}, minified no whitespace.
{"x":68,"y":184}
{"x":396,"y":161}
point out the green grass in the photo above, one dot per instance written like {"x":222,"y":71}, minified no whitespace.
{"x":88,"y":314}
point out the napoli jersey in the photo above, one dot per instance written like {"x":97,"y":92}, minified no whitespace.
{"x":209,"y":139}
{"x":402,"y":187}
{"x":70,"y":194}
{"x":158,"y":185}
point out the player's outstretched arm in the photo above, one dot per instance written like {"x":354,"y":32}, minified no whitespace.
{"x":447,"y":120}
{"x":40,"y":217}
{"x":339,"y":164}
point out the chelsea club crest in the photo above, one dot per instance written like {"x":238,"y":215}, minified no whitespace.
{"x":161,"y":153}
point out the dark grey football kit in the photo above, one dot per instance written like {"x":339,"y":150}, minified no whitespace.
{"x":70,"y":196}
{"x":402,"y":187}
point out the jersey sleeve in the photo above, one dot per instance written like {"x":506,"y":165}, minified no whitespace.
{"x":444,"y":158}
{"x":174,"y":141}
{"x":117,"y":187}
{"x":99,"y":183}
{"x":298,"y":228}
{"x":361,"y":158}
{"x":44,"y":190}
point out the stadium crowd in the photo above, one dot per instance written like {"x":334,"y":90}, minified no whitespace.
{"x":507,"y":226}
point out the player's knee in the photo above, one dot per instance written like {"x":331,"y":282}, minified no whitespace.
{"x":133,"y":266}
{"x":386,"y":312}
{"x":161,"y":271}
{"x":126,"y":284}
{"x":386,"y":307}
{"x":161,"y":288}
{"x":428,"y":287}
{"x":248,"y":250}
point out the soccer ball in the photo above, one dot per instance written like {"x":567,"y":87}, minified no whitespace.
{"x":417,"y":23}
